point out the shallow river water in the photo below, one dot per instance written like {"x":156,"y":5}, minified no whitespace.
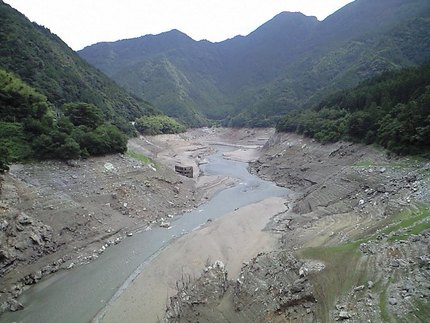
{"x":77,"y":295}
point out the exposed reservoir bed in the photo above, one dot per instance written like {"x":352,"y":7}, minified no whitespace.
{"x":79,"y":294}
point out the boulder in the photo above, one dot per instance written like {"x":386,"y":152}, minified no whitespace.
{"x":14,"y":305}
{"x":392,"y":301}
{"x":344,"y":315}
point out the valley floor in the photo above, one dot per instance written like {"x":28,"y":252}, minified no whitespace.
{"x":55,"y":215}
{"x":352,"y":243}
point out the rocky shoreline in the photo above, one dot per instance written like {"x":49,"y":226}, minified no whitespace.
{"x":354,"y":244}
{"x":55,"y":215}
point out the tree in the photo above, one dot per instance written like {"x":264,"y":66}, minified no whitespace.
{"x":83,"y":114}
{"x":155,"y":125}
{"x":4,"y":159}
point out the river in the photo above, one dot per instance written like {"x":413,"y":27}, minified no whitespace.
{"x":77,"y":295}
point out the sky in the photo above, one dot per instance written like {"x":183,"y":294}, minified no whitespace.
{"x":84,"y":22}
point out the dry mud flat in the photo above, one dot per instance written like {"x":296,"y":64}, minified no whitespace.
{"x":354,"y":245}
{"x":55,"y":215}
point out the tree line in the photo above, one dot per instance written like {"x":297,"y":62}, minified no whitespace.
{"x":392,"y":110}
{"x":33,"y":128}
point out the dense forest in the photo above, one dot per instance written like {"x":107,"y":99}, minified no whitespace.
{"x":392,"y":110}
{"x":30,"y":127}
{"x":54,"y":105}
{"x":45,"y":62}
{"x":289,"y":62}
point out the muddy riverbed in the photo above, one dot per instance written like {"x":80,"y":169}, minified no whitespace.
{"x":79,"y":293}
{"x":350,"y":241}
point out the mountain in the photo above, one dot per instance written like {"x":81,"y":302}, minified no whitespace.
{"x":45,"y":62}
{"x":391,"y":110}
{"x":290,"y":61}
{"x":54,"y":105}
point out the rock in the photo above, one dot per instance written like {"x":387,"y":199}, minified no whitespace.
{"x":37,"y":239}
{"x":303,"y":271}
{"x":344,"y":315}
{"x":298,"y":285}
{"x":165,"y":224}
{"x":14,"y":305}
{"x":3,"y":225}
{"x":381,"y":189}
{"x":364,"y":248}
{"x":358,"y":288}
{"x":109,"y":167}
{"x":370,"y":284}
{"x":382,"y":170}
{"x":411,"y":178}
{"x":72,"y":163}
{"x":394,"y":263}
{"x":24,"y":219}
{"x":219,"y":264}
{"x":392,"y":301}
{"x":129,"y":234}
{"x":37,"y":275}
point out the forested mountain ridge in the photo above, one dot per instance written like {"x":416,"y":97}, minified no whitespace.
{"x":290,"y":61}
{"x":45,"y":62}
{"x":392,"y":110}
{"x":54,"y":105}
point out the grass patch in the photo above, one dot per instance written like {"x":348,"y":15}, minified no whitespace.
{"x":343,"y":271}
{"x":412,"y":221}
{"x":416,"y":229}
{"x":363,"y":163}
{"x":421,"y":313}
{"x":383,"y":306}
{"x":141,"y":157}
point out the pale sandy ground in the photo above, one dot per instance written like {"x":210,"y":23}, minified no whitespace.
{"x":192,"y":148}
{"x":244,"y":154}
{"x":233,"y":239}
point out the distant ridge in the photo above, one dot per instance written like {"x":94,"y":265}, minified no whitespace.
{"x":284,"y":64}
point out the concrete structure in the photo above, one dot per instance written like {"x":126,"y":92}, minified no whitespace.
{"x":184,"y":170}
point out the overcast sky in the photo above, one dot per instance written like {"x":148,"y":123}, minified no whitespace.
{"x":84,"y":22}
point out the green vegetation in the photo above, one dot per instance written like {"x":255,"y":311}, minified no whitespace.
{"x":53,"y":105}
{"x":141,"y":157}
{"x":412,"y":222}
{"x":155,"y":125}
{"x":290,"y":62}
{"x":383,"y":306}
{"x":29,"y":128}
{"x":421,"y":313}
{"x":343,"y":271}
{"x":50,"y":67}
{"x":346,"y":267}
{"x":392,"y":110}
{"x":4,"y":159}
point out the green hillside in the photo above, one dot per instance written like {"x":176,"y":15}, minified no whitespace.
{"x":392,"y":110}
{"x":31,"y":127}
{"x":289,"y":62}
{"x":45,"y":62}
{"x":54,"y":105}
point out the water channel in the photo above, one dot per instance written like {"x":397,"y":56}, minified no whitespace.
{"x":77,"y":295}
